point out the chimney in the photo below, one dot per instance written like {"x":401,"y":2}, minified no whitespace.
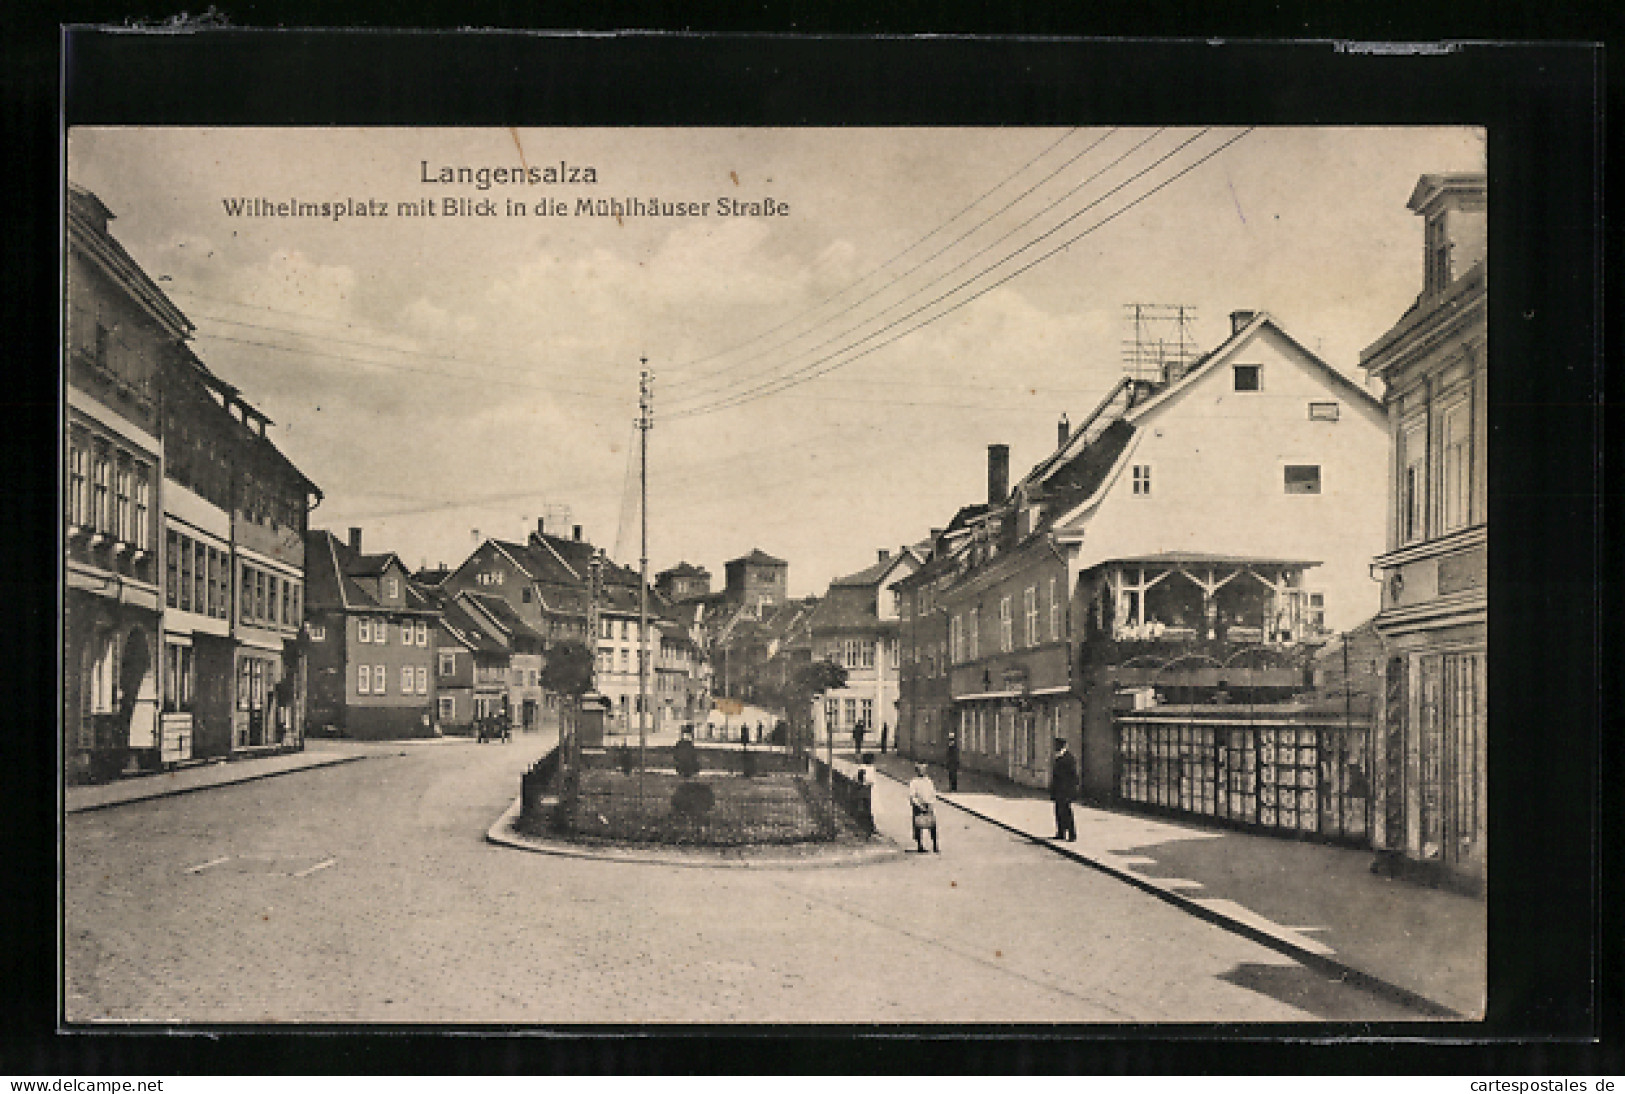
{"x":541,"y":526}
{"x":1063,"y":431}
{"x":1240,"y":319}
{"x":998,"y":473}
{"x":885,"y":554}
{"x":355,"y":539}
{"x":575,"y":533}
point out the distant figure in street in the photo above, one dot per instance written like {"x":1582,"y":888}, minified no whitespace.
{"x":758,"y":732}
{"x":866,"y":770}
{"x":953,"y":763}
{"x":857,"y":739}
{"x":884,"y":728}
{"x":744,"y":733}
{"x":922,"y":798}
{"x":1063,"y":787}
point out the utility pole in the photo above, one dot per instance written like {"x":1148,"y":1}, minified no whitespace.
{"x":645,"y":423}
{"x":595,"y":586}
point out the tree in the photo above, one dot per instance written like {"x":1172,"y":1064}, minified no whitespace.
{"x":807,"y":685}
{"x":568,"y":668}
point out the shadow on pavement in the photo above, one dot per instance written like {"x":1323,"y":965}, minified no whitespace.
{"x":1306,"y":989}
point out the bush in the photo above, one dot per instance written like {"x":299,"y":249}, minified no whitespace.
{"x":693,"y":800}
{"x":686,"y":759}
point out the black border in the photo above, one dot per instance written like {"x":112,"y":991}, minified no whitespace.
{"x":1542,"y":104}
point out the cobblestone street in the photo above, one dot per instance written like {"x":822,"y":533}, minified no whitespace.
{"x":365,"y":892}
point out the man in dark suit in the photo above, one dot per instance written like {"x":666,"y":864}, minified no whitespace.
{"x":1063,"y":788}
{"x":953,"y":763}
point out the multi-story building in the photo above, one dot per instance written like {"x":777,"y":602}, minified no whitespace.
{"x":151,"y":430}
{"x":1166,"y":543}
{"x":855,"y":625}
{"x":120,"y":331}
{"x":524,"y":700}
{"x":683,"y":581}
{"x":756,"y":581}
{"x":235,"y":513}
{"x":1431,"y":772}
{"x":471,"y":665}
{"x":372,"y":642}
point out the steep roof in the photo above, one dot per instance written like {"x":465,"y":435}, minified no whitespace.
{"x":463,"y":625}
{"x":684,"y":569}
{"x":504,"y":616}
{"x":758,"y":557}
{"x":846,"y":607}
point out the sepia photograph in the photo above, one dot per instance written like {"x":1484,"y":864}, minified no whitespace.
{"x":753,"y":576}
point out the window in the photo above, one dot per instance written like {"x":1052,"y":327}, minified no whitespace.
{"x":185,"y":548}
{"x":271,"y":588}
{"x":378,"y":679}
{"x":626,"y":631}
{"x":446,"y":706}
{"x":891,"y":658}
{"x":423,"y":679}
{"x":448,"y":662}
{"x":1302,"y":478}
{"x":200,"y":578}
{"x":259,"y":595}
{"x":1323,"y":412}
{"x":318,"y":633}
{"x":623,"y":659}
{"x":406,"y":632}
{"x":1030,"y":603}
{"x":1455,"y":464}
{"x":121,"y":513}
{"x":1316,"y":615}
{"x":298,"y":606}
{"x":1248,"y":377}
{"x":213,"y":564}
{"x":832,"y":713}
{"x":421,"y":627}
{"x":606,"y":628}
{"x":142,"y":531}
{"x":101,"y":469}
{"x":525,"y":594}
{"x":973,"y":641}
{"x":406,"y":679}
{"x":1054,"y":613}
{"x":956,"y":628}
{"x":172,"y":564}
{"x":287,"y":602}
{"x":380,"y":633}
{"x":1413,"y":484}
{"x":363,"y":630}
{"x":177,"y":677}
{"x":363,"y":679}
{"x":393,"y":587}
{"x":1142,"y":480}
{"x":1006,"y":641}
{"x":851,"y":712}
{"x":866,"y":711}
{"x":76,"y":480}
{"x":246,"y":608}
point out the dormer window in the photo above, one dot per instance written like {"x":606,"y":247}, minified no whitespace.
{"x":392,"y":588}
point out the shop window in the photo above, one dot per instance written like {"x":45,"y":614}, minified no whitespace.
{"x":1248,"y":377}
{"x":1302,"y":478}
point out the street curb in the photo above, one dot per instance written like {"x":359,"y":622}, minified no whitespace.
{"x":177,"y":791}
{"x":1319,"y":962}
{"x":502,"y":834}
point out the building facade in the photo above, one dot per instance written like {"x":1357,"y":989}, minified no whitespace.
{"x":120,"y":331}
{"x":1432,"y":769}
{"x":856,"y":626}
{"x":372,"y":638}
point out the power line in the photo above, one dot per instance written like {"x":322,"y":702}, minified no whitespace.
{"x":765,"y":379}
{"x":437,"y":373}
{"x":789,"y":380}
{"x":678,"y":368}
{"x":708,"y":392}
{"x":364,"y":344}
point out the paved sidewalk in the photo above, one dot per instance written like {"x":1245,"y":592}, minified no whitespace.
{"x":1319,"y":903}
{"x":317,"y":753}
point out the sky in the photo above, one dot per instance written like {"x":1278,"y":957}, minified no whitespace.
{"x":826,"y":379}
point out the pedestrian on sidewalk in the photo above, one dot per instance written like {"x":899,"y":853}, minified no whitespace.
{"x":953,"y":763}
{"x":884,"y":727}
{"x":866,"y":770}
{"x":857,"y":739}
{"x":922,"y":798}
{"x":1063,"y":787}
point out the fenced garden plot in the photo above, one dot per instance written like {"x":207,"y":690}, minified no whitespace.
{"x":662,"y":807}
